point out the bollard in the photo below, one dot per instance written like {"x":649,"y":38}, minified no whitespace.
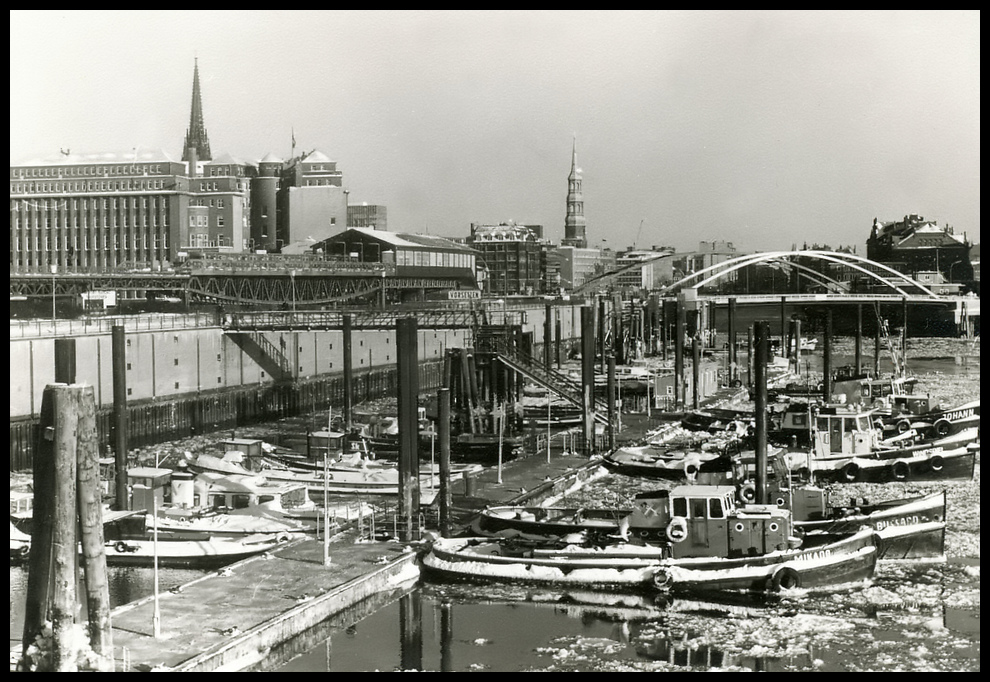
{"x":470,"y":484}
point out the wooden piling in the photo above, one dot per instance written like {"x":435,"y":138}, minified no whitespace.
{"x":443,"y":426}
{"x":827,"y":358}
{"x":119,"y":353}
{"x":90,"y":503}
{"x":64,"y":539}
{"x":678,"y":356}
{"x":610,"y":392}
{"x":407,"y":364}
{"x":760,"y":409}
{"x":40,"y":559}
{"x":588,"y":378}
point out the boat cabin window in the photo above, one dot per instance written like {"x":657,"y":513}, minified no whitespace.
{"x":699,"y":507}
{"x":715,"y":510}
{"x":800,"y":419}
{"x":240,"y":501}
{"x":265,"y":498}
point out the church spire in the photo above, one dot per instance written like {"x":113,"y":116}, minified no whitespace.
{"x":196,"y":141}
{"x":574,"y":223}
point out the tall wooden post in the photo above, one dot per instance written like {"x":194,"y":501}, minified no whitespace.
{"x":443,"y":427}
{"x":749,"y":356}
{"x":678,"y":356}
{"x":407,"y":364}
{"x":90,"y":504}
{"x":904,"y":335}
{"x":40,"y":563}
{"x":733,"y":370}
{"x":348,"y":374}
{"x":556,"y":339}
{"x":65,"y":361}
{"x":876,"y":344}
{"x":827,"y":358}
{"x":119,"y":352}
{"x":610,"y":393}
{"x":785,"y":349}
{"x":696,"y":365}
{"x":859,"y":339}
{"x":588,"y":378}
{"x":760,"y":368}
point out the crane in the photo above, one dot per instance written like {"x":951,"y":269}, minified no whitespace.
{"x":638,"y":232}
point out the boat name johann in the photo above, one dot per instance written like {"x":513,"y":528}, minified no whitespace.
{"x":960,"y":414}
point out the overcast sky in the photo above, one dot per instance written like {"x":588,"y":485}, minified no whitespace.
{"x":766,"y":129}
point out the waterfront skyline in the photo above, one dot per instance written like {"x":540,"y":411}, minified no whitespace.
{"x":765,"y":129}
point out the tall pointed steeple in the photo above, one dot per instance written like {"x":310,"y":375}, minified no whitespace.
{"x":196,"y":138}
{"x":574,"y":223}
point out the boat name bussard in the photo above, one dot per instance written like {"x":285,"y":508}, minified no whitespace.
{"x":902,"y":521}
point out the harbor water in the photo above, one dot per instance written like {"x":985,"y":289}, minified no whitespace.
{"x":923,"y":617}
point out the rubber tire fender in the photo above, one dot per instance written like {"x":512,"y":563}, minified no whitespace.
{"x":692,"y":467}
{"x":120,"y":546}
{"x":748,"y":494}
{"x":785,"y":578}
{"x":942,"y":427}
{"x":900,"y":470}
{"x":850,"y":472}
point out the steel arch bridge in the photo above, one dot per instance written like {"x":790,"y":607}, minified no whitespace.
{"x":897,"y":281}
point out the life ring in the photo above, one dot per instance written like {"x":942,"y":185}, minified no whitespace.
{"x":942,"y":427}
{"x":850,"y":471}
{"x":903,"y":426}
{"x":748,"y":493}
{"x":24,"y":551}
{"x":282,"y":537}
{"x":677,"y":529}
{"x":121,"y":546}
{"x":936,"y":462}
{"x":900,"y":470}
{"x":786,"y":578}
{"x":692,"y":465}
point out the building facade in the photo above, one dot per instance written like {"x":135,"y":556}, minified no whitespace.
{"x":148,"y":210}
{"x":99,"y":212}
{"x":374,"y":216}
{"x":915,"y":244}
{"x":513,"y":256}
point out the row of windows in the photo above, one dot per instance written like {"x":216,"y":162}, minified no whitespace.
{"x":87,"y":186}
{"x":99,"y":221}
{"x":200,"y":240}
{"x":204,"y":221}
{"x":84,"y":243}
{"x":94,"y":204}
{"x":85,"y":171}
{"x":434,"y":259}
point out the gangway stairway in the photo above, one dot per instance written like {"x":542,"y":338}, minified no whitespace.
{"x":270,"y":358}
{"x":560,"y":384}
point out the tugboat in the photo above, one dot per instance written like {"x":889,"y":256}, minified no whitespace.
{"x":710,"y":544}
{"x":847,"y":446}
